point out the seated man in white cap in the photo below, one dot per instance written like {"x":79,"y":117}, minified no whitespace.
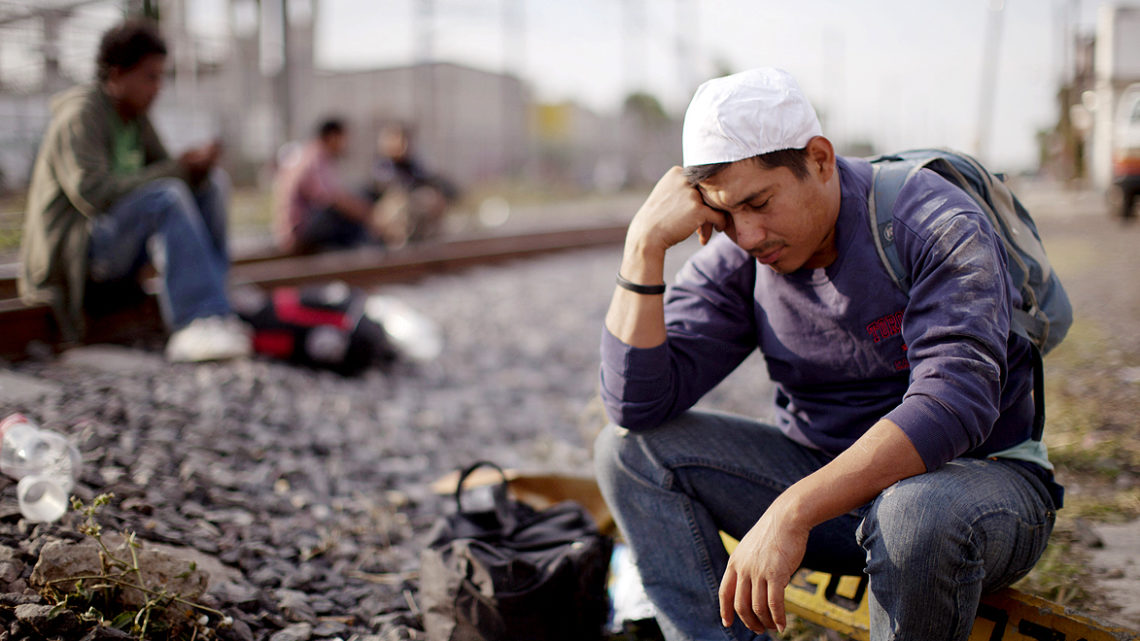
{"x":893,"y":414}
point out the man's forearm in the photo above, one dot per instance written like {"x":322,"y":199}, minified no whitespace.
{"x":94,"y":189}
{"x":639,"y":319}
{"x":883,"y":456}
{"x":673,"y":211}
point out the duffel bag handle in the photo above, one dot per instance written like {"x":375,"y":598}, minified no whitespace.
{"x":500,"y":495}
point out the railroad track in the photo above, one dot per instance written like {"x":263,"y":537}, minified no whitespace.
{"x":23,"y":325}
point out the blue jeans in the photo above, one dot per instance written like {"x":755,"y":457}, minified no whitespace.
{"x":931,"y":544}
{"x":182,"y":233}
{"x":326,"y":228}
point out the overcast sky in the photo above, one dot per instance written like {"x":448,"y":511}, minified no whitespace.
{"x":899,"y":73}
{"x":902,"y":73}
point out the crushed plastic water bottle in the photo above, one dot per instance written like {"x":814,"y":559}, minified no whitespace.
{"x":412,"y":334}
{"x":45,"y":463}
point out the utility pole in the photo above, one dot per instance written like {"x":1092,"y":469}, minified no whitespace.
{"x":634,"y":45}
{"x":684,"y":22}
{"x":834,"y":74}
{"x":424,"y":75}
{"x":184,"y":52}
{"x":53,"y":76}
{"x":514,"y":58}
{"x":514,"y":36}
{"x":143,"y":8}
{"x":284,"y":82}
{"x":986,"y":100}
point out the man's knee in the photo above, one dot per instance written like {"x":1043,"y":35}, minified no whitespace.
{"x":913,"y":522}
{"x":218,"y":181}
{"x":607,"y":452}
{"x":622,"y":456}
{"x":174,"y":196}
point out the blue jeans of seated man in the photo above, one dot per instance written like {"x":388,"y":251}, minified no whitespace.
{"x":179,"y":231}
{"x":931,"y":544}
{"x":327,"y":228}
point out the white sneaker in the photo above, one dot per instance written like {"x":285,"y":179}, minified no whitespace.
{"x":210,"y":339}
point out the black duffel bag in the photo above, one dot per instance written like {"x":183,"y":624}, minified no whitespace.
{"x":508,"y":572}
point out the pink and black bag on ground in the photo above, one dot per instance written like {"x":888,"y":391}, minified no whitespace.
{"x":320,"y":326}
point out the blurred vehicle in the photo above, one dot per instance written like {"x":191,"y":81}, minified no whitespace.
{"x":1126,"y":151}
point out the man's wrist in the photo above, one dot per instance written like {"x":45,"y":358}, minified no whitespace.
{"x":642,"y":263}
{"x":796,"y":508}
{"x":654,"y":289}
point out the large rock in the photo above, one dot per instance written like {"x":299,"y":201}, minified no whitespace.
{"x":45,"y":620}
{"x":61,"y":563}
{"x":113,"y":359}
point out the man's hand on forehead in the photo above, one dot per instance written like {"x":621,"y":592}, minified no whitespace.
{"x":672,"y":212}
{"x":705,"y":231}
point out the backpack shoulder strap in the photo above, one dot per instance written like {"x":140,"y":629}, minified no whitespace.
{"x":889,"y":174}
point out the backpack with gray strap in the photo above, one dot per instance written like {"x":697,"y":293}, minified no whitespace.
{"x":1045,"y":314}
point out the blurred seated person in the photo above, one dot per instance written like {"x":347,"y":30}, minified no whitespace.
{"x":411,"y":200}
{"x":314,"y":210}
{"x":106,"y":198}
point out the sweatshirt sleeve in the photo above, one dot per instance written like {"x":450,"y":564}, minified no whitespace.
{"x":710,"y":330}
{"x":83,"y":163}
{"x":956,"y":325}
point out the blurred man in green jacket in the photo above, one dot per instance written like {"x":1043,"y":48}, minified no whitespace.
{"x":106,"y":198}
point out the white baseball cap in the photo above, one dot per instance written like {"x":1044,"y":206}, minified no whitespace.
{"x":747,"y":114}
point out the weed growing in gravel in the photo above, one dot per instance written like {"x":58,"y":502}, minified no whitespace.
{"x":118,"y":594}
{"x":1115,"y":506}
{"x":1090,"y":429}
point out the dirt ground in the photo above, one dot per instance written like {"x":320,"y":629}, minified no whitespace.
{"x":1093,"y":404}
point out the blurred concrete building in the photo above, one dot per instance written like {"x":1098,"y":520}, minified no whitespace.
{"x":472,"y":125}
{"x":255,"y":85}
{"x":469,"y":124}
{"x":607,"y":153}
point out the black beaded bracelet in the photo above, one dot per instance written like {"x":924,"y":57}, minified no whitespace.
{"x":649,"y":290}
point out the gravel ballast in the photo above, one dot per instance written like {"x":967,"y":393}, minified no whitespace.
{"x":310,"y":490}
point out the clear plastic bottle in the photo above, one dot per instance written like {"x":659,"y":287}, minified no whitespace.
{"x":45,"y":463}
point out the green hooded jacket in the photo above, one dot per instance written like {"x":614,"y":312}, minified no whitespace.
{"x":73,"y":182}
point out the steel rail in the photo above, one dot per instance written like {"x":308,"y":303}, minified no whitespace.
{"x":24,"y":325}
{"x":9,"y":271}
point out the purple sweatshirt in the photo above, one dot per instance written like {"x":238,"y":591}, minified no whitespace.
{"x":843,"y":345}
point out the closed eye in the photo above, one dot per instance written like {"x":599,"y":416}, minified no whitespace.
{"x":758,"y":207}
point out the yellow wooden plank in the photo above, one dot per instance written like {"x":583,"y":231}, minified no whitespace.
{"x":815,"y":596}
{"x":849,"y":587}
{"x":1006,"y":615}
